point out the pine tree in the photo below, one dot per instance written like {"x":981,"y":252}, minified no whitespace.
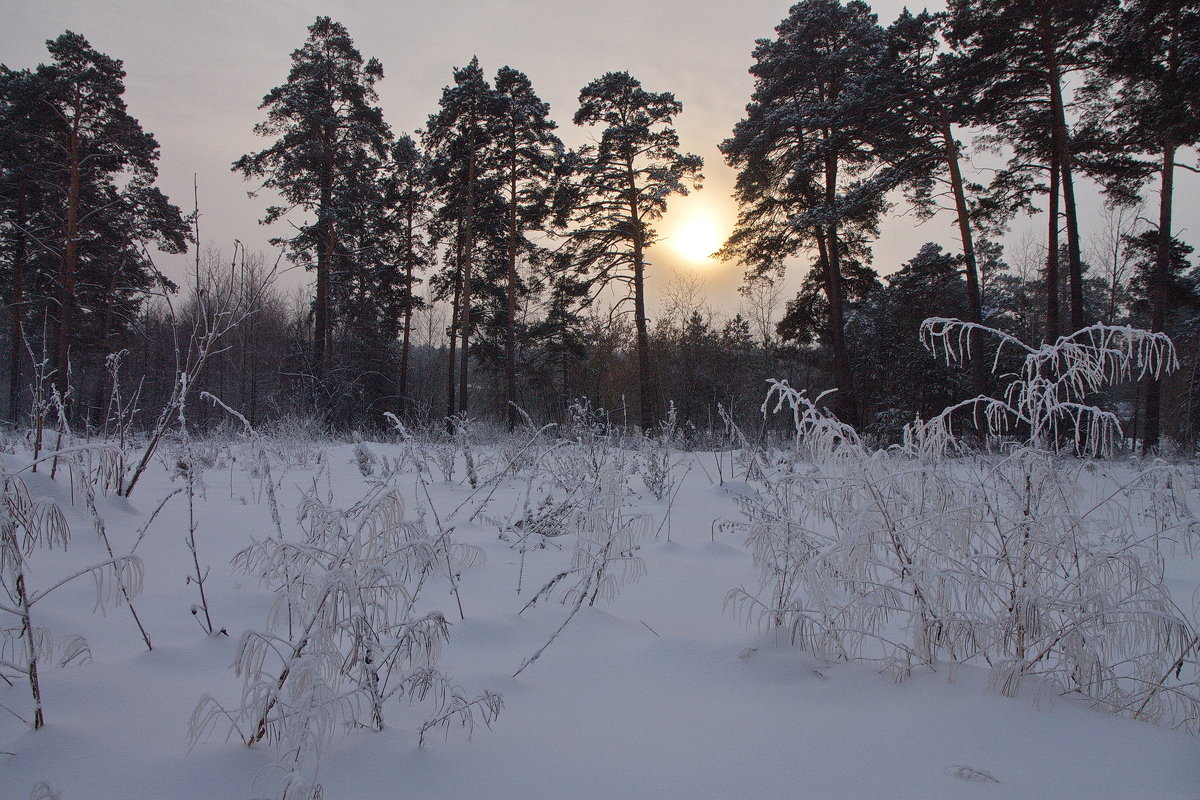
{"x":1180,"y":289}
{"x":458,"y":139}
{"x":907,"y":382}
{"x":23,"y":220}
{"x":365,"y":294}
{"x":808,"y":319}
{"x":85,"y":205}
{"x":1150,"y":50}
{"x":330,"y":137}
{"x":408,"y":215}
{"x":531,"y":161}
{"x":934,"y":98}
{"x":625,"y":180}
{"x":809,"y":155}
{"x":1022,"y":54}
{"x":561,"y":330}
{"x":934,"y":102}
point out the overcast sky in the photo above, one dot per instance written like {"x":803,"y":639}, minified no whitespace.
{"x":197,"y":71}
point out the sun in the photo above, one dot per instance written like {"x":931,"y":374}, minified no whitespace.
{"x":697,"y":237}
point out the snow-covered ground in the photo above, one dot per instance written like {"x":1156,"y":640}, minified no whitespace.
{"x":659,"y":692}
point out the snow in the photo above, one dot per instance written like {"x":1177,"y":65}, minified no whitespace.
{"x":657,"y":693}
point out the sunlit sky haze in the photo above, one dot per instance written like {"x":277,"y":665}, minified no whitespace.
{"x":197,"y":72}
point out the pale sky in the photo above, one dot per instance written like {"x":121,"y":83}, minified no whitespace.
{"x":198,"y":70}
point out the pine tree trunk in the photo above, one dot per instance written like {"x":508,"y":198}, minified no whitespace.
{"x":1158,"y":295}
{"x":970,"y":264}
{"x":1162,"y":260}
{"x":70,"y":259}
{"x":464,"y":336}
{"x":16,"y":330}
{"x":846,"y":399}
{"x":565,"y":376}
{"x":324,"y":265}
{"x":408,"y":308}
{"x":646,"y":413}
{"x":98,"y":398}
{"x":452,"y":376}
{"x":468,"y":266}
{"x":645,"y":385}
{"x":974,"y":296}
{"x":510,"y":320}
{"x":1052,"y":323}
{"x":1070,"y":209}
{"x":1060,"y":135}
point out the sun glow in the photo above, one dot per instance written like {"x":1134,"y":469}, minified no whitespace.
{"x":697,"y":238}
{"x":696,"y":226}
{"x":697,"y":233}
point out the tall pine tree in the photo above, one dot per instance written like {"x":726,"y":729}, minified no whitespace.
{"x":458,"y":139}
{"x":809,"y":156}
{"x":1022,"y":54}
{"x":24,"y":221}
{"x":934,"y":100}
{"x":407,"y":188}
{"x":625,"y":180}
{"x":1150,"y":51}
{"x":330,"y":136}
{"x":84,"y":204}
{"x":531,"y":158}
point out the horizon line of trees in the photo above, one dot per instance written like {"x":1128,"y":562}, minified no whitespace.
{"x":487,"y":230}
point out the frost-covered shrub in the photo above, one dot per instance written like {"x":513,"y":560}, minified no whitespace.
{"x":462,"y":428}
{"x":1044,"y":569}
{"x":296,"y":442}
{"x":346,"y":634}
{"x":26,"y":526}
{"x":1048,"y":401}
{"x":659,"y":457}
{"x":591,"y":447}
{"x":364,"y":458}
{"x":520,"y":452}
{"x":607,"y":540}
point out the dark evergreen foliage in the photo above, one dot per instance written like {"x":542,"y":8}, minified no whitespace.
{"x":625,"y":180}
{"x":816,"y":156}
{"x":1150,"y":50}
{"x":80,"y":206}
{"x":470,"y":215}
{"x":330,"y":141}
{"x":1020,"y":55}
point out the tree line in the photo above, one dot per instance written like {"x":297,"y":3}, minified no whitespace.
{"x":479,"y":266}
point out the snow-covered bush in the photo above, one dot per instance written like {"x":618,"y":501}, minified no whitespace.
{"x":1047,"y":402}
{"x":660,"y":460}
{"x":1044,"y":569}
{"x":346,"y":634}
{"x":607,"y":539}
{"x":26,"y":526}
{"x":295,"y":441}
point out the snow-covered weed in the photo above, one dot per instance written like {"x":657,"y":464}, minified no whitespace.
{"x":346,"y":634}
{"x":1048,"y":401}
{"x":26,"y":526}
{"x":660,"y":460}
{"x":364,"y":458}
{"x":606,"y":558}
{"x":1044,"y":569}
{"x":592,"y":447}
{"x":743,"y":452}
{"x":295,"y":442}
